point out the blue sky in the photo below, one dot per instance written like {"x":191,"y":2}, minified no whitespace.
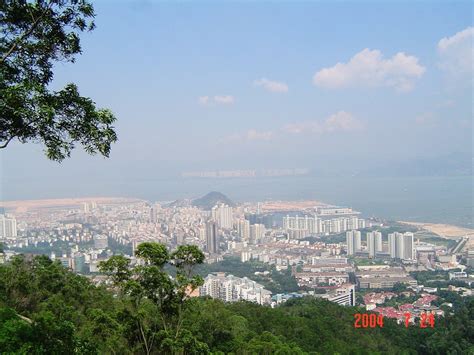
{"x":237,"y":85}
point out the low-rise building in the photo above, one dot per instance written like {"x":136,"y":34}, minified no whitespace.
{"x":230,"y":288}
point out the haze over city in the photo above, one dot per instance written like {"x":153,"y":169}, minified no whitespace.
{"x":236,"y":177}
{"x":331,"y":88}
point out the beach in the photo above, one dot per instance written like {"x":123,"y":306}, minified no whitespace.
{"x":445,"y":231}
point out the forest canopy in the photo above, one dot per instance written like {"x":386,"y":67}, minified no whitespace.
{"x":45,"y":308}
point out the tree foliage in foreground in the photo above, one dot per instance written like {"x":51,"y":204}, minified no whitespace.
{"x":46,"y":309}
{"x":151,"y":290}
{"x":34,"y":36}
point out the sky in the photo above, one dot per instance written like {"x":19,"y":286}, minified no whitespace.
{"x":251,"y":85}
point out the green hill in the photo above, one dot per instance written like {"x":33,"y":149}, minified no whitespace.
{"x":211,"y":199}
{"x":46,"y":309}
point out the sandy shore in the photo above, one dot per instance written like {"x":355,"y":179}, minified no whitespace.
{"x":446,"y":231}
{"x":443,"y":230}
{"x":25,"y":205}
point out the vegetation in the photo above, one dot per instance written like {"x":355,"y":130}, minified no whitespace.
{"x":426,"y":276}
{"x":211,"y":199}
{"x":367,"y":262}
{"x":46,"y":309}
{"x":159,"y":301}
{"x":35,"y":36}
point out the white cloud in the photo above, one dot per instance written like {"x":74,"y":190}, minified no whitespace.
{"x":342,"y":121}
{"x":203,"y":100}
{"x":456,"y":53}
{"x":253,"y":135}
{"x":339,"y":121}
{"x":368,"y":68}
{"x":250,"y":135}
{"x":224,"y":99}
{"x":270,"y":85}
{"x":216,"y":100}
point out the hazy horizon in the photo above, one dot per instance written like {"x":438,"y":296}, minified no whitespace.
{"x":384,"y":90}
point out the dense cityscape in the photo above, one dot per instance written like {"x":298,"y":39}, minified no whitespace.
{"x":328,"y":252}
{"x":236,"y":177}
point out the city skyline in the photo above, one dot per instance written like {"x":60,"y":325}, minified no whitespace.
{"x":241,"y":177}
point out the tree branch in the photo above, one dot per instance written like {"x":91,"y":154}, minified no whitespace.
{"x":4,"y":145}
{"x":145,"y":342}
{"x":25,"y":35}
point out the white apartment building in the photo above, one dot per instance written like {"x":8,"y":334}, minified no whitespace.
{"x":344,"y":295}
{"x":374,"y":243}
{"x":300,"y":227}
{"x":243,"y":228}
{"x":401,"y":246}
{"x":257,"y":231}
{"x":353,"y":241}
{"x":231,"y":288}
{"x":8,"y":227}
{"x":223,"y":215}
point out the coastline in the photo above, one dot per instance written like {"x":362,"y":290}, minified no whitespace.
{"x":446,"y":231}
{"x":25,"y":205}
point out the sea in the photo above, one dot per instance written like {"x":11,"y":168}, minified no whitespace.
{"x":420,"y":199}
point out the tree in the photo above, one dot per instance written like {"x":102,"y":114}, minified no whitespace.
{"x":399,"y":287}
{"x":36,"y":35}
{"x":267,"y":343}
{"x":159,"y":301}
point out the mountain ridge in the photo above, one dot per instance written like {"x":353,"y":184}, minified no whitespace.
{"x":211,"y":199}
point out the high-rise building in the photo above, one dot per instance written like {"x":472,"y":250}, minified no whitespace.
{"x":212,"y":243}
{"x":408,"y":247}
{"x":401,"y":246}
{"x":353,"y":223}
{"x":8,"y":227}
{"x":378,"y":242}
{"x":371,"y":244}
{"x":357,"y":240}
{"x":202,"y":233}
{"x":300,"y":227}
{"x":353,"y":241}
{"x":222,"y":214}
{"x":257,"y":231}
{"x":244,"y":230}
{"x":350,"y":243}
{"x":392,"y":245}
{"x":374,"y":243}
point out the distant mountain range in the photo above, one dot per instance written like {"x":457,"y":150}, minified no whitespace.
{"x":211,"y":199}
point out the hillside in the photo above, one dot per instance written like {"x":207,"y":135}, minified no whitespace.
{"x":211,"y":199}
{"x":46,"y":309}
